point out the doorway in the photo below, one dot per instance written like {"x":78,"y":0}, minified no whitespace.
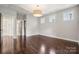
{"x":0,"y":33}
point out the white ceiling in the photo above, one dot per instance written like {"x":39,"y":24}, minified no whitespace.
{"x":46,"y":8}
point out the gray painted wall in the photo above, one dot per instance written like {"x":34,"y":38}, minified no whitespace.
{"x":63,"y":29}
{"x":32,"y":25}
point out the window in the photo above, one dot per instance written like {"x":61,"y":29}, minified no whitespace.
{"x":52,"y":18}
{"x":68,"y":15}
{"x":42,"y":20}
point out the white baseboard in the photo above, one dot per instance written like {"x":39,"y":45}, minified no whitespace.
{"x":61,"y":38}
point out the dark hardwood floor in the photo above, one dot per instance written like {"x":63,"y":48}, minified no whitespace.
{"x":39,"y":44}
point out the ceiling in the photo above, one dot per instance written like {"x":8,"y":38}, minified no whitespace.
{"x":46,"y":8}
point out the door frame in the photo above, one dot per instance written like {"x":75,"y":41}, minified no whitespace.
{"x":0,"y":33}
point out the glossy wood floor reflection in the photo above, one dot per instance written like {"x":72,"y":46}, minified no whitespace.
{"x":39,"y":44}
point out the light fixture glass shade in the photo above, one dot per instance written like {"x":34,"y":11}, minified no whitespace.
{"x":37,"y":13}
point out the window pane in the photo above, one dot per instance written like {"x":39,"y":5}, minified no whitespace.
{"x":52,"y":18}
{"x":42,"y":20}
{"x":68,"y":15}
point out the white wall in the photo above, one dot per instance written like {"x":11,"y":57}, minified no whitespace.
{"x":32,"y":25}
{"x":77,"y":16}
{"x":61,"y":28}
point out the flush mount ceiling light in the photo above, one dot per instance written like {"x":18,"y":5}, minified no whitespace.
{"x":37,"y":11}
